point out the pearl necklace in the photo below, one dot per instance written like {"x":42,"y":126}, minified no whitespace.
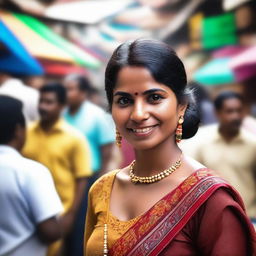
{"x":154,"y":178}
{"x":105,"y":241}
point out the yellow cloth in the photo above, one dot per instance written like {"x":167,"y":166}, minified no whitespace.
{"x":64,"y":151}
{"x":98,"y":214}
{"x":235,"y":160}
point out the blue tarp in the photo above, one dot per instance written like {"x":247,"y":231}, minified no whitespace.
{"x":14,"y":58}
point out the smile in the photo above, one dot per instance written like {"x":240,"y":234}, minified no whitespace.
{"x":142,"y":131}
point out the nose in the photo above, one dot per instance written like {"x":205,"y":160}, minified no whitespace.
{"x":139,"y":112}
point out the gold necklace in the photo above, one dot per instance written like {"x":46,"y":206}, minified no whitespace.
{"x":154,"y":178}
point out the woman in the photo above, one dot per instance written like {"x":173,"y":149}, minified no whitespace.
{"x":164,"y":203}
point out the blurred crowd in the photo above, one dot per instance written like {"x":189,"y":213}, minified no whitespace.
{"x":73,"y":137}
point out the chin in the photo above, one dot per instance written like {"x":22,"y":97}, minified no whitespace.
{"x":144,"y":144}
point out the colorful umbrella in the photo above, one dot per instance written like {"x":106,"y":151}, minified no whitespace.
{"x":16,"y":59}
{"x":215,"y":72}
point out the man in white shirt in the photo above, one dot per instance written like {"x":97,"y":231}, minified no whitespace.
{"x":28,"y":199}
{"x":29,"y":96}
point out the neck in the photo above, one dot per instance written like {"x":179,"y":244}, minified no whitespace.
{"x":14,"y":144}
{"x":152,"y":161}
{"x":47,"y":125}
{"x":227,"y":134}
{"x":74,"y":108}
{"x":3,"y":79}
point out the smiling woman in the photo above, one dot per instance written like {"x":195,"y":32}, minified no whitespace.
{"x":164,"y":203}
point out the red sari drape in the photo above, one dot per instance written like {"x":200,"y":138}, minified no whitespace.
{"x":156,"y":229}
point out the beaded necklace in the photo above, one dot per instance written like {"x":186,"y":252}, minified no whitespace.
{"x":154,"y":178}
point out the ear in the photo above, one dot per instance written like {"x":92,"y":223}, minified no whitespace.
{"x":182,"y":109}
{"x":20,"y":131}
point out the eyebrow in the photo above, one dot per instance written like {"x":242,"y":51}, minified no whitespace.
{"x":120,"y":93}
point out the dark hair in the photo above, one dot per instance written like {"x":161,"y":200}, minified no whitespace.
{"x":84,"y":84}
{"x":58,"y":89}
{"x":219,"y":100}
{"x":165,"y":67}
{"x":10,"y":116}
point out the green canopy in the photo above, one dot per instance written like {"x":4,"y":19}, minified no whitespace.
{"x":79,"y":55}
{"x":215,"y":72}
{"x":218,"y":31}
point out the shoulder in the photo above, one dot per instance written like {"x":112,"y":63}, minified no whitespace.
{"x":248,"y":137}
{"x":103,"y":183}
{"x":94,"y":110}
{"x":204,"y":136}
{"x":222,"y":198}
{"x":34,"y":169}
{"x":213,"y":209}
{"x":28,"y":171}
{"x":32,"y":126}
{"x":71,"y":132}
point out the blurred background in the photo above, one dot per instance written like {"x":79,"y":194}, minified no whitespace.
{"x":216,"y":39}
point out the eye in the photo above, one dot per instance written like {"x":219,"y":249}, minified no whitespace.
{"x":155,"y":98}
{"x":123,"y":101}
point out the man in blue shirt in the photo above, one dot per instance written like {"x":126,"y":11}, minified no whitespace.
{"x":91,"y":120}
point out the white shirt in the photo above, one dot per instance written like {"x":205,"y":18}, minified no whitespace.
{"x":27,"y":197}
{"x":27,"y":95}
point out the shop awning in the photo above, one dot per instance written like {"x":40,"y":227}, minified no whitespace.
{"x":244,"y":64}
{"x":43,"y":43}
{"x":80,"y":56}
{"x":62,"y":69}
{"x":15,"y":59}
{"x":215,"y":72}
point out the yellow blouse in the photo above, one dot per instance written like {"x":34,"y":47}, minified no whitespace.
{"x":98,"y":214}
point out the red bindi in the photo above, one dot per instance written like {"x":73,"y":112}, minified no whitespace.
{"x":135,"y":93}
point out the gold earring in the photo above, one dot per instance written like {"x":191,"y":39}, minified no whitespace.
{"x":118,"y":139}
{"x":178,"y":133}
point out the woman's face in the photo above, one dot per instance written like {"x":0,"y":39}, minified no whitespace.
{"x":146,"y":112}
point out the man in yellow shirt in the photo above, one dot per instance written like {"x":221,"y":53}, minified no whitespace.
{"x":62,"y":149}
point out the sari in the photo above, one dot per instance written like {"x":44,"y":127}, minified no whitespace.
{"x":154,"y":232}
{"x":157,"y":228}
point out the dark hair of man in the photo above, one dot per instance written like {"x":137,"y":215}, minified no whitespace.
{"x":10,"y":116}
{"x":165,"y":67}
{"x":58,"y":89}
{"x":219,"y":100}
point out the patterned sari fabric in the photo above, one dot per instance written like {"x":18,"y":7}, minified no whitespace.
{"x":157,"y":228}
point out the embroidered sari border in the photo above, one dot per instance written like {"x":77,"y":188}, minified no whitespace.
{"x":165,"y":219}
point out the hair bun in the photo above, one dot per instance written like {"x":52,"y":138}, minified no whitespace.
{"x":191,"y":118}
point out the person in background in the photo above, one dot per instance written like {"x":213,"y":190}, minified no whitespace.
{"x":29,"y":202}
{"x":29,"y":96}
{"x":97,"y":128}
{"x":63,"y":150}
{"x":91,"y":120}
{"x":228,"y":148}
{"x":164,"y":202}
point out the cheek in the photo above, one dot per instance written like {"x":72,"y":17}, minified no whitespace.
{"x":167,"y":112}
{"x":116,"y":116}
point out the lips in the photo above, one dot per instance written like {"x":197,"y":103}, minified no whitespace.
{"x":142,"y":131}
